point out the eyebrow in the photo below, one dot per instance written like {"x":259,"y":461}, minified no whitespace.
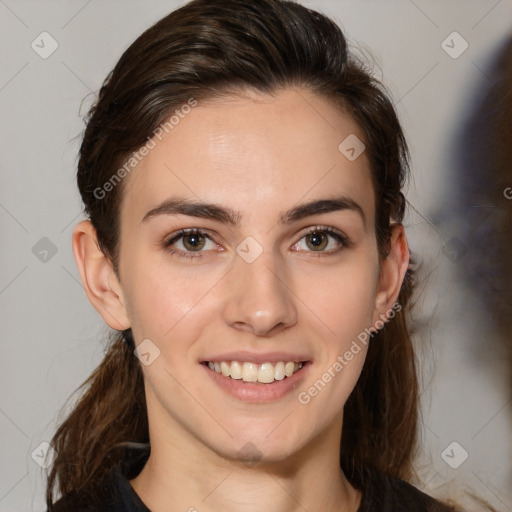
{"x":182,"y":206}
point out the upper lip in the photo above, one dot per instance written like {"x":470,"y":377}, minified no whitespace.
{"x":253,"y":357}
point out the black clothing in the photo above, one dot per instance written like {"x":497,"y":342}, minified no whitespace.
{"x":115,"y":494}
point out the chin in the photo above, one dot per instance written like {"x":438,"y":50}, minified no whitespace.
{"x":259,"y":445}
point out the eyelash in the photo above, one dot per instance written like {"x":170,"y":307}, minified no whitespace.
{"x":343,"y":240}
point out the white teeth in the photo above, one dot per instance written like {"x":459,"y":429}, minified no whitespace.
{"x":224,"y":368}
{"x":279,"y":371}
{"x":265,"y":373}
{"x":250,"y":372}
{"x":235,"y":372}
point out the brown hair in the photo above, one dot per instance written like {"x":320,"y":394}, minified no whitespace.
{"x":203,"y":50}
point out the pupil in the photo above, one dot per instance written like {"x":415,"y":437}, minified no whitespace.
{"x":194,"y":241}
{"x":317,"y":240}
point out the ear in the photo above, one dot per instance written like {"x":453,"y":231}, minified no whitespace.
{"x":392,"y":273}
{"x":99,"y":280}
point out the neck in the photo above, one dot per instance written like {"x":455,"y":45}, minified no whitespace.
{"x":184,"y":474}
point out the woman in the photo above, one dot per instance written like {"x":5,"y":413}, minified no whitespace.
{"x":242,"y":176}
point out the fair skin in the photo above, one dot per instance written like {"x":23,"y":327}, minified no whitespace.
{"x":259,"y":156}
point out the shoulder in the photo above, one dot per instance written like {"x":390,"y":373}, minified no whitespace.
{"x":101,"y":498}
{"x":389,"y":494}
{"x":113,"y":494}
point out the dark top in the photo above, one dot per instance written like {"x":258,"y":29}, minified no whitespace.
{"x":115,"y":493}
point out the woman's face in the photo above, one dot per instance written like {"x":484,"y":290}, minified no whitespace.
{"x":252,"y":286}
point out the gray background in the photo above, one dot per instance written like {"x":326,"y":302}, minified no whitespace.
{"x":51,"y":336}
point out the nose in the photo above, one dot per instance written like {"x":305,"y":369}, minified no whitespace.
{"x":259,"y":298}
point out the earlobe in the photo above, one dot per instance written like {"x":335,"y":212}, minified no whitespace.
{"x":98,"y":277}
{"x":393,"y":270}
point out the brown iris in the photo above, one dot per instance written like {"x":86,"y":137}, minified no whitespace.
{"x":317,"y":240}
{"x":194,"y":241}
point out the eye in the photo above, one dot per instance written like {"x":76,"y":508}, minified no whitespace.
{"x":191,"y":243}
{"x":322,"y":240}
{"x":187,"y":242}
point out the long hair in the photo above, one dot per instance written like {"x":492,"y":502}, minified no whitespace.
{"x":204,"y":50}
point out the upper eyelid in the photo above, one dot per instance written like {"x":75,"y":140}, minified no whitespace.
{"x":186,"y":231}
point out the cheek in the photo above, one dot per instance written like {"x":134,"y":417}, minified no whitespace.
{"x":342,"y":300}
{"x":343,"y":303}
{"x":155,"y":299}
{"x":161,"y":298}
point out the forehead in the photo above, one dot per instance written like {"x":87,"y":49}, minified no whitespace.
{"x":255,"y":153}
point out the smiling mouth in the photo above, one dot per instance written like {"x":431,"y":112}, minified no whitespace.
{"x":265,"y":373}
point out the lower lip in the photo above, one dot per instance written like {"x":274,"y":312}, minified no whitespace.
{"x":258,"y":392}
